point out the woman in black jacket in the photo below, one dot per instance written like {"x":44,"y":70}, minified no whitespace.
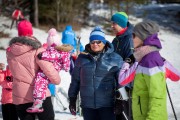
{"x":95,"y":76}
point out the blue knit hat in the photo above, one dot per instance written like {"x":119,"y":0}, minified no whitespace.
{"x":97,"y":34}
{"x":121,"y":18}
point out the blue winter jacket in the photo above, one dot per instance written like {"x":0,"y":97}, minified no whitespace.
{"x":123,"y":44}
{"x":69,"y":37}
{"x":96,"y":79}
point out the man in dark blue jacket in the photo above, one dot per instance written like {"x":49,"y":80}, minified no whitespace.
{"x":95,"y":75}
{"x":123,"y":44}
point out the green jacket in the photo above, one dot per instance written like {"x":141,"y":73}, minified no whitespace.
{"x":149,"y":91}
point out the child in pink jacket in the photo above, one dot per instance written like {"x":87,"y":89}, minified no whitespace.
{"x":8,"y":108}
{"x":59,"y":56}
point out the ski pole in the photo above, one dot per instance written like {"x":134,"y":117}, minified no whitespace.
{"x":12,"y":23}
{"x":125,"y":115}
{"x":58,"y":100}
{"x":61,"y":90}
{"x":171,"y":102}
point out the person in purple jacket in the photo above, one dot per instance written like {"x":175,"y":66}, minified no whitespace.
{"x":149,"y":73}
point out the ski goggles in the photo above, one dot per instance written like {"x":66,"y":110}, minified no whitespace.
{"x":96,"y":41}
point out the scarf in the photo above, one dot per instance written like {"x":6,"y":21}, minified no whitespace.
{"x":122,"y":31}
{"x":140,"y":52}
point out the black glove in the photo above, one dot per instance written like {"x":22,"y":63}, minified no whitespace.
{"x":118,"y":107}
{"x":39,"y":56}
{"x":118,"y":95}
{"x":72,"y":105}
{"x":131,"y":59}
{"x":9,"y":78}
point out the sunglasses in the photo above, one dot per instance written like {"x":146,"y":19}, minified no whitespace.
{"x":97,"y":42}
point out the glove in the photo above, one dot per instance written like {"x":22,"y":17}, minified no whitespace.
{"x":39,"y":56}
{"x":121,"y":98}
{"x":72,"y":105}
{"x":131,"y":59}
{"x":118,"y":95}
{"x":118,"y":107}
{"x":9,"y":79}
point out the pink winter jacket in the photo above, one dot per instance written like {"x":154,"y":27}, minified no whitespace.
{"x":6,"y":96}
{"x":24,"y":64}
{"x":60,"y":59}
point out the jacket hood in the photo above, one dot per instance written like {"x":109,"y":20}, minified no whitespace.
{"x":153,"y":40}
{"x":69,"y":27}
{"x":108,"y":48}
{"x":20,"y":45}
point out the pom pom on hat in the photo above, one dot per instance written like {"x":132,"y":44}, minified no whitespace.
{"x":53,"y":37}
{"x":25,"y":28}
{"x":145,"y":29}
{"x":120,"y":18}
{"x":97,"y":34}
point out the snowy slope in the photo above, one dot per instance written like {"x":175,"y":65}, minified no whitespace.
{"x":170,"y":51}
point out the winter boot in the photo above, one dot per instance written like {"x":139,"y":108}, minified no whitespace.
{"x":37,"y":107}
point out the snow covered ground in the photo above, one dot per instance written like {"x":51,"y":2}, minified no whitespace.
{"x":170,"y":42}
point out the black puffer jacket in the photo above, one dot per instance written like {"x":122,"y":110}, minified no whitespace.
{"x":96,"y":79}
{"x":123,"y":44}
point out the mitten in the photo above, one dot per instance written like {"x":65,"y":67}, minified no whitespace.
{"x":9,"y":79}
{"x":72,"y":105}
{"x":131,"y":59}
{"x":39,"y":56}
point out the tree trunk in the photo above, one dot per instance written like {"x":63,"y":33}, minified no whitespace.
{"x":57,"y":14}
{"x":111,"y":9}
{"x":16,"y":2}
{"x":36,"y":21}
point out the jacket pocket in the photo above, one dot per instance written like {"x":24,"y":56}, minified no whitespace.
{"x":139,"y":102}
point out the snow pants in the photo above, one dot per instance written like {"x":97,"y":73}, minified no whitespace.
{"x":40,"y":86}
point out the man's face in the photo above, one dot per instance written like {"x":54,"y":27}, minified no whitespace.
{"x":116,"y":28}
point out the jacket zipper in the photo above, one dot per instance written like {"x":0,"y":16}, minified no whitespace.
{"x":93,"y":79}
{"x":139,"y":102}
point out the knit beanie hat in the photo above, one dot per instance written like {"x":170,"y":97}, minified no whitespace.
{"x":53,"y":37}
{"x":25,"y":28}
{"x":120,"y":18}
{"x":145,"y":29}
{"x":97,"y":34}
